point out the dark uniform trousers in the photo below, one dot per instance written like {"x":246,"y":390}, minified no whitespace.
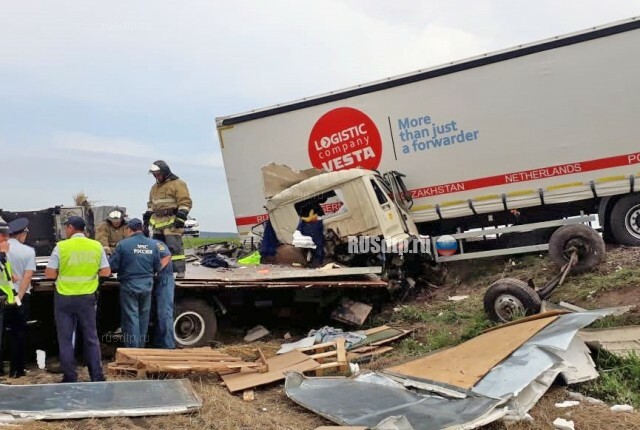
{"x":71,"y":312}
{"x":16,"y":318}
{"x":174,"y":243}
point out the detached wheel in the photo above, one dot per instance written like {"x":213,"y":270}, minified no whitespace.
{"x":508,"y":299}
{"x":194,"y":323}
{"x":624,"y":220}
{"x":579,"y":238}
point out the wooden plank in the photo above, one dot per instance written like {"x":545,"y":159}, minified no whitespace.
{"x":318,"y":346}
{"x":342,"y":353}
{"x":161,"y":351}
{"x":464,"y":365}
{"x":291,"y":361}
{"x":196,"y":364}
{"x":165,"y":358}
{"x":363,"y":349}
{"x":379,"y":336}
{"x":375,"y":330}
{"x":330,"y":365}
{"x":324,"y":355}
{"x":542,"y":315}
{"x":263,"y":361}
{"x":391,"y":339}
{"x":176,"y":354}
{"x":355,"y":356}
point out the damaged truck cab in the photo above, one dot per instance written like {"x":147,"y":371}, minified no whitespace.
{"x":355,"y":204}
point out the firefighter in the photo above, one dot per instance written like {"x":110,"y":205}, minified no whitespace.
{"x":111,"y":231}
{"x":168,"y":207}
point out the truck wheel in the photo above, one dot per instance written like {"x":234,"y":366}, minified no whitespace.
{"x":194,"y":323}
{"x":581,"y":238}
{"x":624,"y":220}
{"x":509,"y":298}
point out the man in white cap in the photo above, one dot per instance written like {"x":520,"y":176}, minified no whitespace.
{"x":111,"y":231}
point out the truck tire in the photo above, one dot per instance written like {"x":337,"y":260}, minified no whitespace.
{"x":510,"y":298}
{"x":582,"y":238}
{"x":194,"y":323}
{"x":624,"y":220}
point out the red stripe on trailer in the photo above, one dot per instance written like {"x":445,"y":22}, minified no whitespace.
{"x":527,"y":175}
{"x":492,"y":181}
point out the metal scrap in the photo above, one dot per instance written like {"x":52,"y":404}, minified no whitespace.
{"x":97,"y":399}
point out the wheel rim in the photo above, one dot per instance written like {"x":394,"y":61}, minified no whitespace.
{"x":188,"y":328}
{"x":508,"y":306}
{"x":632,"y":221}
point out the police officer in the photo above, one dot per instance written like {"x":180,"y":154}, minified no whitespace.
{"x":6,"y":278}
{"x":112,"y":230}
{"x":168,"y":206}
{"x":136,"y":259}
{"x":23,"y":265}
{"x":163,"y":292}
{"x":76,"y":263}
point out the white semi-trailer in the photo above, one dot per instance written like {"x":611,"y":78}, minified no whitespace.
{"x":522,"y":137}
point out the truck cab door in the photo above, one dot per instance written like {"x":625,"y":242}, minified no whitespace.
{"x":400,"y":194}
{"x":392,"y":222}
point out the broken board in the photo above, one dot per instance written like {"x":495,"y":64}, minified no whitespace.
{"x":464,"y":365}
{"x":278,"y":365}
{"x":351,"y":312}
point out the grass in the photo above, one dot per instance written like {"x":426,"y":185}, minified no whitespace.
{"x":190,"y":242}
{"x":616,"y":321}
{"x":431,"y":341}
{"x":443,"y":325}
{"x":589,"y":285}
{"x":619,"y":381}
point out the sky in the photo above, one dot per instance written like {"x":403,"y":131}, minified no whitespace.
{"x":91,"y":93}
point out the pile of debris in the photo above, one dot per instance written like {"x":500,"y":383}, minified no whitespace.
{"x":500,"y":374}
{"x":325,"y":350}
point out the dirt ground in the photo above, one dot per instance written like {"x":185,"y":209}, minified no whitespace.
{"x":429,"y":312}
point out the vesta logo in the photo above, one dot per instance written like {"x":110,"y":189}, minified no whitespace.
{"x":344,"y":138}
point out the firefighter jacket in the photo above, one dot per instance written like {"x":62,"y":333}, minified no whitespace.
{"x":165,"y":199}
{"x":109,"y":236}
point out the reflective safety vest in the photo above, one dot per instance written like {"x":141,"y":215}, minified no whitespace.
{"x":6,"y":282}
{"x":79,"y":265}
